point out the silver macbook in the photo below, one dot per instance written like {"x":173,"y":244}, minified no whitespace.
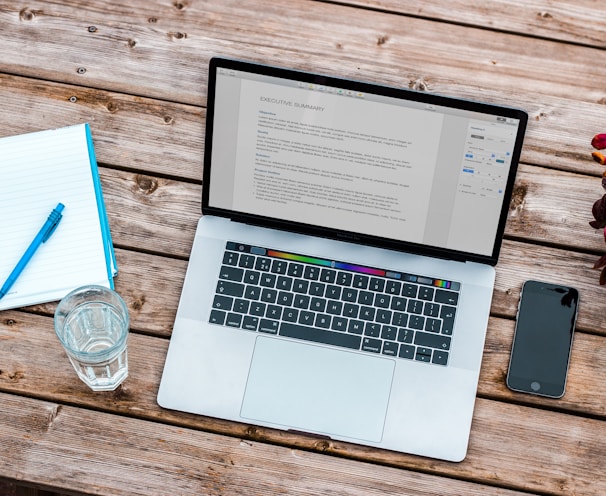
{"x":341,"y":275}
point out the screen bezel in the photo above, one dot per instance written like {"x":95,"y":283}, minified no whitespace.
{"x":401,"y":93}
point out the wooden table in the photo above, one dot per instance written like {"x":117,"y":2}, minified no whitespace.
{"x":137,"y":72}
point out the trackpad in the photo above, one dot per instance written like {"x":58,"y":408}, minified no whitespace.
{"x":310,"y":388}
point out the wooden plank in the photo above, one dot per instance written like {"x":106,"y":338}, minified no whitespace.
{"x":128,"y":132}
{"x":501,"y":433}
{"x":578,"y":22}
{"x":160,"y":215}
{"x":153,"y":49}
{"x":165,"y":138}
{"x":122,"y":456}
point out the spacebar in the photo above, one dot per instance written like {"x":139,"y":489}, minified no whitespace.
{"x":320,"y":335}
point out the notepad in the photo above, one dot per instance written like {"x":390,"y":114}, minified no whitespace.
{"x":38,"y":171}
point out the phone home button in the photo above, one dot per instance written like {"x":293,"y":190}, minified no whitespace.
{"x":535,"y":386}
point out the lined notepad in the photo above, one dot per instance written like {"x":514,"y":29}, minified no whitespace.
{"x":38,"y":171}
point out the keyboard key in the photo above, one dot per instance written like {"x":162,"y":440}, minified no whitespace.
{"x":416,"y":322}
{"x":290,"y":315}
{"x":318,"y":304}
{"x":372,"y":329}
{"x":263,"y":264}
{"x":390,"y":348}
{"x":355,"y":327}
{"x":268,"y":280}
{"x":409,"y":290}
{"x":311,"y":272}
{"x":423,"y":355}
{"x":351,"y":311}
{"x":252,"y":292}
{"x":360,"y":282}
{"x":407,"y":351}
{"x":383,"y":316}
{"x":440,"y":357}
{"x":307,"y":318}
{"x":350,"y":294}
{"x":382,"y":300}
{"x":231,"y":273}
{"x":367,"y":313}
{"x":389,"y":333}
{"x":295,"y":270}
{"x":279,"y":267}
{"x":241,"y":306}
{"x":323,"y":321}
{"x":366,"y":298}
{"x":223,"y":302}
{"x":415,"y":306}
{"x":300,"y":286}
{"x":399,"y":319}
{"x":393,"y":287}
{"x":344,"y":278}
{"x":430,"y":340}
{"x":377,"y":285}
{"x":269,"y":326}
{"x":217,"y":317}
{"x":320,"y":335}
{"x":285,"y":298}
{"x":228,"y":288}
{"x":230,"y":258}
{"x":334,"y":307}
{"x":405,"y":335}
{"x":258,"y":309}
{"x":339,"y":324}
{"x":433,"y":325}
{"x":269,"y":295}
{"x":251,"y":277}
{"x":250,"y":323}
{"x":246,"y":261}
{"x":273,"y":312}
{"x":301,"y":301}
{"x":426,"y":293}
{"x":447,"y":297}
{"x":317,"y":288}
{"x":398,"y":304}
{"x":448,"y":316}
{"x":431,"y":309}
{"x":284,"y":283}
{"x":372,"y":345}
{"x":333,"y":292}
{"x":328,"y":275}
{"x":233,"y":320}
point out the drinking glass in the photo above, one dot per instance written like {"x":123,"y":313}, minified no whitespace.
{"x":92,"y":324}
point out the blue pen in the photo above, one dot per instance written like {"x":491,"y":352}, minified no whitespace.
{"x":42,"y":237}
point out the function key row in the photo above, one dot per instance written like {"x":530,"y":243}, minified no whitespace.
{"x":237,"y":266}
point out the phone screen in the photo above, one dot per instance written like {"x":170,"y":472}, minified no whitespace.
{"x":543,"y":338}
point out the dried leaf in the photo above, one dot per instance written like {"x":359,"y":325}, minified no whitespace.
{"x":603,"y":276}
{"x":599,"y":141}
{"x":599,"y":157}
{"x":599,"y":213}
{"x":601,"y":263}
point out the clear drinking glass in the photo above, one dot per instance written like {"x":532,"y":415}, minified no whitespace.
{"x":92,"y":324}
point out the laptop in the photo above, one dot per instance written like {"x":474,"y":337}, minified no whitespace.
{"x":341,"y":276}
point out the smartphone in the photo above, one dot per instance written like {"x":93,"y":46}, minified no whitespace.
{"x":543,"y":339}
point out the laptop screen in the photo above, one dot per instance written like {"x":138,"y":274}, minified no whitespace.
{"x":357,"y":161}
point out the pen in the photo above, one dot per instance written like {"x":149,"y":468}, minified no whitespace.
{"x":42,"y":237}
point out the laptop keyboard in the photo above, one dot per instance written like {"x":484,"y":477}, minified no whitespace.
{"x":335,"y":303}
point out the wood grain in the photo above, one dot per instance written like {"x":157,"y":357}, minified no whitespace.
{"x":499,"y":429}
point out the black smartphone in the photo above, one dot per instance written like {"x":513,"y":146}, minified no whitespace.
{"x":543,"y":339}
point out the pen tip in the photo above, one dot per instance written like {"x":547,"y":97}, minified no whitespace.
{"x":60,"y":207}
